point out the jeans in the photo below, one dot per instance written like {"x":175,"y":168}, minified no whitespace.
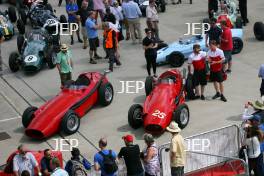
{"x":177,"y":171}
{"x":65,"y":77}
{"x":141,"y":174}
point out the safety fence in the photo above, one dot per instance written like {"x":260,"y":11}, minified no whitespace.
{"x":215,"y":151}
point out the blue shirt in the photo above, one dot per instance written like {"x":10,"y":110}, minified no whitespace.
{"x":71,"y":8}
{"x":261,"y":71}
{"x":90,"y":27}
{"x":131,"y":10}
{"x":98,"y":158}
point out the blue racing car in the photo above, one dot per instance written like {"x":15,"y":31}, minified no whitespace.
{"x":176,"y":53}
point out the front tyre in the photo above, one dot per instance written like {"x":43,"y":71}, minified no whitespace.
{"x":259,"y":30}
{"x":237,"y":45}
{"x":28,"y":116}
{"x":135,"y":116}
{"x":182,"y":115}
{"x":12,"y":14}
{"x":21,"y":27}
{"x":13,"y":62}
{"x":70,"y":123}
{"x":176,"y":59}
{"x":106,"y":94}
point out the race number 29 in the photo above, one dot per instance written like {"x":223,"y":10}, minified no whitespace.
{"x":159,"y":114}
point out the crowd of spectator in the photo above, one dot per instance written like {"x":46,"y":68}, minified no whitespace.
{"x":138,"y":162}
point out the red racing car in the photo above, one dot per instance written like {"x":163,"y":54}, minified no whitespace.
{"x":7,"y":169}
{"x":64,"y":111}
{"x":165,"y":102}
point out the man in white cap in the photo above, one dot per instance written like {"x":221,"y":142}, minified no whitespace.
{"x":177,"y":150}
{"x":64,"y":64}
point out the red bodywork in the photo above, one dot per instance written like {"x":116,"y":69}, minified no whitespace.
{"x":7,"y":171}
{"x":47,"y":118}
{"x":160,"y":103}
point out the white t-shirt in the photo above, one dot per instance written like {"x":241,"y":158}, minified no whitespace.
{"x":27,"y":162}
{"x":152,"y":14}
{"x":216,"y":53}
{"x":196,"y":57}
{"x":253,"y":147}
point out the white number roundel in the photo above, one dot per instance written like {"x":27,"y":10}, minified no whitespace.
{"x":30,"y":58}
{"x":50,"y":21}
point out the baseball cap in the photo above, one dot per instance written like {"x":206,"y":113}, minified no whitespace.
{"x":128,"y":138}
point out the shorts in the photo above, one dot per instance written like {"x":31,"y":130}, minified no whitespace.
{"x":94,"y":43}
{"x":228,"y":56}
{"x":262,"y":88}
{"x":199,"y":77}
{"x":217,"y":76}
{"x":84,"y":32}
{"x":65,"y":77}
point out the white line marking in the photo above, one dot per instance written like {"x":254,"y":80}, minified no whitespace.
{"x":13,"y":118}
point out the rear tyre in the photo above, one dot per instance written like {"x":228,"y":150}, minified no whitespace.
{"x":176,"y":59}
{"x":181,"y":115}
{"x":259,"y":31}
{"x":148,"y":85}
{"x":237,"y":45}
{"x":70,"y":123}
{"x":135,"y":116}
{"x":189,"y":87}
{"x":161,"y":45}
{"x":13,"y":62}
{"x":239,"y":23}
{"x":51,"y":58}
{"x":28,"y":116}
{"x":49,"y":7}
{"x":106,"y":94}
{"x":63,"y":20}
{"x":207,"y":21}
{"x":20,"y":42}
{"x":23,"y":16}
{"x":12,"y":14}
{"x":21,"y":27}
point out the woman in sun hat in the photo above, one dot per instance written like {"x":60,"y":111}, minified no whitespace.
{"x":150,"y":156}
{"x":177,"y":150}
{"x":64,"y":64}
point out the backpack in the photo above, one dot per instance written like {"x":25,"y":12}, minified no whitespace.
{"x":109,"y":164}
{"x":78,"y":169}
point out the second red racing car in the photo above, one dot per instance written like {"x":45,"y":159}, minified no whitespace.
{"x":63,"y":112}
{"x":165,"y":102}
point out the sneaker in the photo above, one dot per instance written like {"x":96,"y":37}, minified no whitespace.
{"x":202,"y":97}
{"x":155,"y":76}
{"x":97,"y":57}
{"x":217,"y":95}
{"x":72,"y":42}
{"x":223,"y":98}
{"x":228,"y":71}
{"x":92,"y":61}
{"x":118,"y":63}
{"x":80,"y":40}
{"x":196,"y":97}
{"x":84,"y":47}
{"x":111,"y":69}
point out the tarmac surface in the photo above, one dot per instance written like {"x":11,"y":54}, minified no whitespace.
{"x":18,"y":90}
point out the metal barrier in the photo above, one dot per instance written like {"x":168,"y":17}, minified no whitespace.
{"x":224,"y":145}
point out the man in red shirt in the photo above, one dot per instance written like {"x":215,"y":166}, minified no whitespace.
{"x":198,"y":59}
{"x":226,"y":45}
{"x":216,"y":58}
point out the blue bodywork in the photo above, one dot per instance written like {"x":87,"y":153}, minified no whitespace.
{"x":185,"y":46}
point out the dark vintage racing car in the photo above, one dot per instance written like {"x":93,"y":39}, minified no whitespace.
{"x":64,"y":111}
{"x":41,"y":14}
{"x":165,"y":102}
{"x":7,"y":20}
{"x":34,"y":51}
